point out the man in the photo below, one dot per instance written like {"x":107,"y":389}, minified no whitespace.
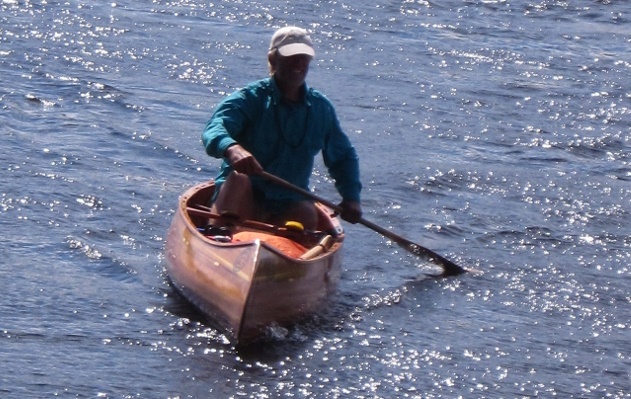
{"x":278,"y":125}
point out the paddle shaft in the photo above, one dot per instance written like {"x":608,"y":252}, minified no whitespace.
{"x":449,"y":268}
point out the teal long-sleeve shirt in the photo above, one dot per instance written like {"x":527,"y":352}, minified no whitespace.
{"x":284,"y":138}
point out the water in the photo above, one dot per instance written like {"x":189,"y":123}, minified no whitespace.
{"x":493,"y":132}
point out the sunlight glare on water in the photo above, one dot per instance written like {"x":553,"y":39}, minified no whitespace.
{"x":492,"y":132}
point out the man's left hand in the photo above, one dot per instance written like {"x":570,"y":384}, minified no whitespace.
{"x":351,"y":211}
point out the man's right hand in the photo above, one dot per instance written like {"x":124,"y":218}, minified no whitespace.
{"x":242,"y":160}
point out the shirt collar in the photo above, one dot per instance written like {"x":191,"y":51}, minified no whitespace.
{"x":277,"y":96}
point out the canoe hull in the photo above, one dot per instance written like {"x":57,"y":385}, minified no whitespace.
{"x":247,"y":286}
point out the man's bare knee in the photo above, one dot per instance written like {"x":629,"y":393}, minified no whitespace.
{"x":235,"y":196}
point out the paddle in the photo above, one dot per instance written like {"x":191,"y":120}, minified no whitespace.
{"x":449,"y":268}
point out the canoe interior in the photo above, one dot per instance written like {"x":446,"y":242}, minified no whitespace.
{"x":246,"y":286}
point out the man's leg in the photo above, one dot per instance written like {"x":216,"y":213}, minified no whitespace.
{"x":235,"y":197}
{"x":299,"y":211}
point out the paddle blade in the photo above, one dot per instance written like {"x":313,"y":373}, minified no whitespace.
{"x":449,"y":267}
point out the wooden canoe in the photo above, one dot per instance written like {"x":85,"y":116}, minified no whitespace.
{"x":255,"y":275}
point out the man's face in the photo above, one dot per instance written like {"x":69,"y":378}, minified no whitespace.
{"x":292,"y":70}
